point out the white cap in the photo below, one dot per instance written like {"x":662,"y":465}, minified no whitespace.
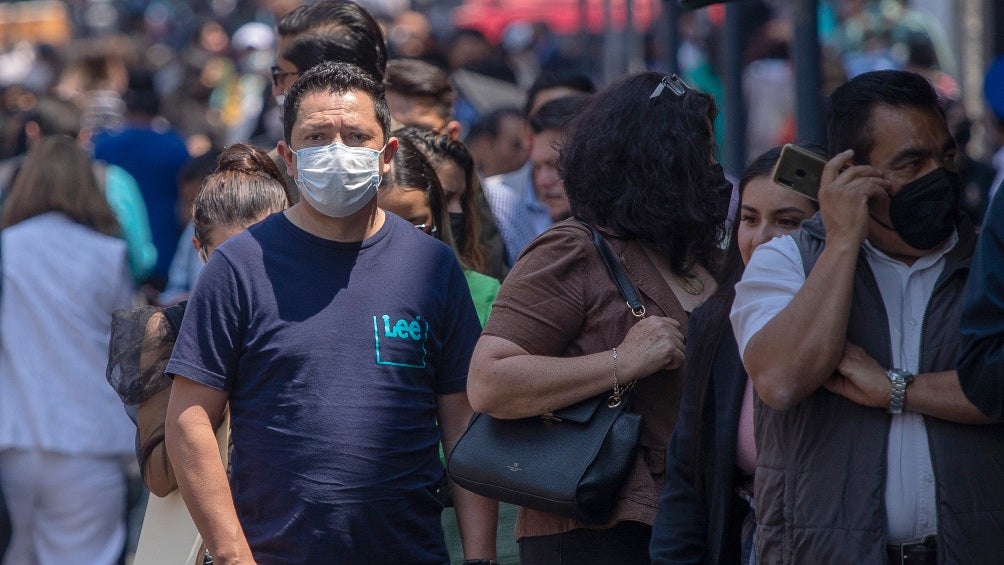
{"x":254,"y":35}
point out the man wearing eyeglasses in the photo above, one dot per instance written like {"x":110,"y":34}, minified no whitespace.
{"x":329,"y":30}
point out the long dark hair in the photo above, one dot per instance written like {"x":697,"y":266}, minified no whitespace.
{"x":411,"y":170}
{"x":642,"y":166}
{"x":713,"y":317}
{"x":438,"y":148}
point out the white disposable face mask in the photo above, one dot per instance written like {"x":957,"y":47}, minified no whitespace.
{"x":338,"y":180}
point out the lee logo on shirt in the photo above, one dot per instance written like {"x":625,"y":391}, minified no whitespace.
{"x":400,"y":342}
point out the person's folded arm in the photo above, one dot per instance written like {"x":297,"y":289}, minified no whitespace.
{"x":861,"y":379}
{"x":796,"y":349}
{"x":940,"y":395}
{"x":506,"y":381}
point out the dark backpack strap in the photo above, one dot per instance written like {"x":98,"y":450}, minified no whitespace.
{"x":617,"y":273}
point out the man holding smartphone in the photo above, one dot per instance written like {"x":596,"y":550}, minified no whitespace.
{"x":868,"y":449}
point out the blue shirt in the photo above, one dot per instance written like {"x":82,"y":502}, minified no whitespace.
{"x":333,"y":355}
{"x":154,"y":159}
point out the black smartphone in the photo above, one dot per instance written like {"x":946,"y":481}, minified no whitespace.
{"x":800,"y":170}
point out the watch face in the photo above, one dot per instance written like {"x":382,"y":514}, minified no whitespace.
{"x":907,"y":376}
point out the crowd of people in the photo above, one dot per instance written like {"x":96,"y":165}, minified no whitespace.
{"x":349,"y":259}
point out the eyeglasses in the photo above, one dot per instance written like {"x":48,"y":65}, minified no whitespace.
{"x":674,"y":83}
{"x":279,"y":74}
{"x":427,"y":228}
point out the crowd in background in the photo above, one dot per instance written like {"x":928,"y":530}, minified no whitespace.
{"x":154,"y":94}
{"x":196,"y":74}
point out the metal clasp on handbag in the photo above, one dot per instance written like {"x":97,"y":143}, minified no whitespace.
{"x":617,"y":396}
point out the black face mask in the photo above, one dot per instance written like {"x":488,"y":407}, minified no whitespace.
{"x":721,"y":185}
{"x":457,"y":226}
{"x":924,"y":212}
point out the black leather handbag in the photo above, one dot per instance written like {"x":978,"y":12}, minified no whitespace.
{"x":571,"y":462}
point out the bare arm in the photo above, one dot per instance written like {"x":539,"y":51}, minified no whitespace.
{"x":508,"y":382}
{"x":862,"y":380}
{"x":191,"y":444}
{"x":155,"y":466}
{"x":798,"y":350}
{"x":477,"y":516}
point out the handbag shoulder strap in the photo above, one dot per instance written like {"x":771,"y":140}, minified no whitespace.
{"x":617,"y":273}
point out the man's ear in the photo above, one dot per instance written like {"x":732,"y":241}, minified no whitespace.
{"x":287,"y":157}
{"x":388,"y":155}
{"x":453,"y":130}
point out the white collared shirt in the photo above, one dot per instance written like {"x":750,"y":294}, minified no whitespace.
{"x":773,"y":277}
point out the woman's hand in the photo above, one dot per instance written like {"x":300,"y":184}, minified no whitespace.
{"x":652,"y":344}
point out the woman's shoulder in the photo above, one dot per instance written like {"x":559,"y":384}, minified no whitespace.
{"x":559,"y":240}
{"x":57,"y":230}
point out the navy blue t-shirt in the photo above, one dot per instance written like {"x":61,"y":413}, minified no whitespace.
{"x":333,"y":355}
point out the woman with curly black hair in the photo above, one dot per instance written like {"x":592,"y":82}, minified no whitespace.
{"x":639,"y":167}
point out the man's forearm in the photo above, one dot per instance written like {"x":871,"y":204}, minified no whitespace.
{"x":798,"y":350}
{"x":941,"y":396}
{"x":477,"y":518}
{"x":203,"y":483}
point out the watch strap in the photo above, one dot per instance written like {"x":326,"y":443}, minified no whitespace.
{"x":899,"y":379}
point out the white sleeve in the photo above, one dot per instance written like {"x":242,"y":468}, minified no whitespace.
{"x":774,"y":274}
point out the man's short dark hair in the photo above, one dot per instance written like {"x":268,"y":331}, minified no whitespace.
{"x":572,"y":80}
{"x":554,"y":114}
{"x":349,"y":23}
{"x":313,"y":48}
{"x":334,"y":78}
{"x":851,"y":105}
{"x":490,"y":125}
{"x":418,"y":79}
{"x":141,"y":96}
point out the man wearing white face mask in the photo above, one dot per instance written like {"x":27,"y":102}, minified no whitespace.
{"x":340,"y":335}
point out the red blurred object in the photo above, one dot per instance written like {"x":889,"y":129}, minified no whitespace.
{"x":716,"y":13}
{"x":564,"y":17}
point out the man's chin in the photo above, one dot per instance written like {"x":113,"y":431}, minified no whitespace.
{"x":891,"y":244}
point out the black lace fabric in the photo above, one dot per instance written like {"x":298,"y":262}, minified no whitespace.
{"x":140,"y":347}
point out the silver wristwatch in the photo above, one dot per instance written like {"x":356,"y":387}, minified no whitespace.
{"x":897,"y":394}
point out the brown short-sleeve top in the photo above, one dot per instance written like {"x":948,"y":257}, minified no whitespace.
{"x":559,"y":301}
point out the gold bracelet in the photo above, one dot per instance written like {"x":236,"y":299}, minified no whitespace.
{"x":615,"y":398}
